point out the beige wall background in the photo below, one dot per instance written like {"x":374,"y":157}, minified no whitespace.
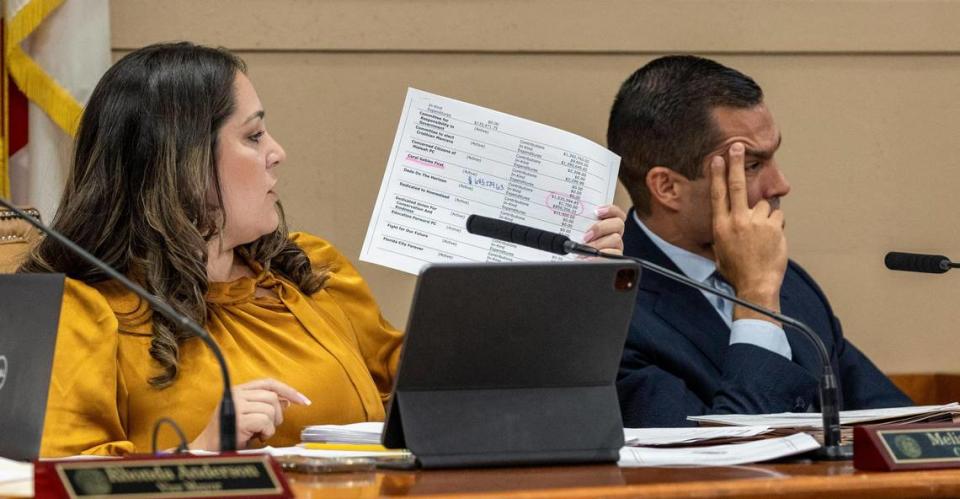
{"x":867,"y":94}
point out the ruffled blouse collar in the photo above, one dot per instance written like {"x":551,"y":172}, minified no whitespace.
{"x":244,"y":289}
{"x":134,"y":315}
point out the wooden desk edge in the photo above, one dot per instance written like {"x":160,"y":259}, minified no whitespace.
{"x":941,"y":483}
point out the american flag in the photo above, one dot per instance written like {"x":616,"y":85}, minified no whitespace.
{"x":54,"y":52}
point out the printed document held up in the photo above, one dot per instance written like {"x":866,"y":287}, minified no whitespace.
{"x":451,"y":159}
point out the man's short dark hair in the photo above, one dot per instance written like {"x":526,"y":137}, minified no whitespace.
{"x":662,"y":117}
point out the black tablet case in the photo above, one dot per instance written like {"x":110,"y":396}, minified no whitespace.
{"x":29,"y":315}
{"x":507,"y":364}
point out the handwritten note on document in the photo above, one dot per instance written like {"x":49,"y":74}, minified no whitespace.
{"x":451,"y":159}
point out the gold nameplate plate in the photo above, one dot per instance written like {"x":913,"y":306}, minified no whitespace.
{"x":230,"y":475}
{"x":906,"y":447}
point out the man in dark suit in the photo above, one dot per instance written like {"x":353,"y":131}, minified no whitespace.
{"x":698,"y":146}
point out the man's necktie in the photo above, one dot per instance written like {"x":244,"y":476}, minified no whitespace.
{"x":716,"y":281}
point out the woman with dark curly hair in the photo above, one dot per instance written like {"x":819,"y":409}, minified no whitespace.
{"x":172,"y":183}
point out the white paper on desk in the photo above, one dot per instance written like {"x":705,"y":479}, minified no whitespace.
{"x":16,"y":478}
{"x":451,"y":159}
{"x":21,"y":488}
{"x":675,"y":436}
{"x":718,"y":455}
{"x":11,"y":470}
{"x":815,"y":420}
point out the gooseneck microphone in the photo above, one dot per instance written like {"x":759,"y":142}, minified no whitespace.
{"x":228,"y":417}
{"x":562,"y":245}
{"x":523,"y":235}
{"x":916,"y":262}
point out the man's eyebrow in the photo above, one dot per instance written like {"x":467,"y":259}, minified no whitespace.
{"x":258,"y":114}
{"x":764,"y":153}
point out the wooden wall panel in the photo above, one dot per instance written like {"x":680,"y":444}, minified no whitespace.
{"x":866,"y":93}
{"x":547,"y":25}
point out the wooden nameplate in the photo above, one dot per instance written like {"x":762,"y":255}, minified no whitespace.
{"x":176,"y":475}
{"x":906,"y":447}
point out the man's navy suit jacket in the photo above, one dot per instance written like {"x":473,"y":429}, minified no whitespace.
{"x":678,"y":362}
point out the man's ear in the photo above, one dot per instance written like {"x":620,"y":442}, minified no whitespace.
{"x":664,"y":187}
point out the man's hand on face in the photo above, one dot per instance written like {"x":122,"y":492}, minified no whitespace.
{"x":749,"y":243}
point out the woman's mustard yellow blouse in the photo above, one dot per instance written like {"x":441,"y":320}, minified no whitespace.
{"x":333,"y":346}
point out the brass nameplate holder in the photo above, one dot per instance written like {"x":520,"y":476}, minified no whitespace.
{"x":906,"y":447}
{"x":228,"y":475}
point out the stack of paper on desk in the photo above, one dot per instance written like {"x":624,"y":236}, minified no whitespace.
{"x":711,"y":435}
{"x":357,"y":433}
{"x":791,"y":422}
{"x":719,"y":455}
{"x":914,"y":414}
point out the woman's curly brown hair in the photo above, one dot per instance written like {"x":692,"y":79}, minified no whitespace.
{"x":144,"y":164}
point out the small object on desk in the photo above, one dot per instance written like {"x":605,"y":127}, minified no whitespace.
{"x":718,"y":455}
{"x":342,"y":446}
{"x":357,"y":433}
{"x":384,"y":458}
{"x":293,"y":463}
{"x":906,"y":447}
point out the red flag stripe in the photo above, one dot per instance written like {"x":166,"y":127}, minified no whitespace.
{"x":17,"y":106}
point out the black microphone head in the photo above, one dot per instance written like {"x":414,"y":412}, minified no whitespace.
{"x":488,"y":227}
{"x":915,"y":262}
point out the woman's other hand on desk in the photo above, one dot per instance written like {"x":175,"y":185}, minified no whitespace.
{"x":260,"y":405}
{"x":607,"y":234}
